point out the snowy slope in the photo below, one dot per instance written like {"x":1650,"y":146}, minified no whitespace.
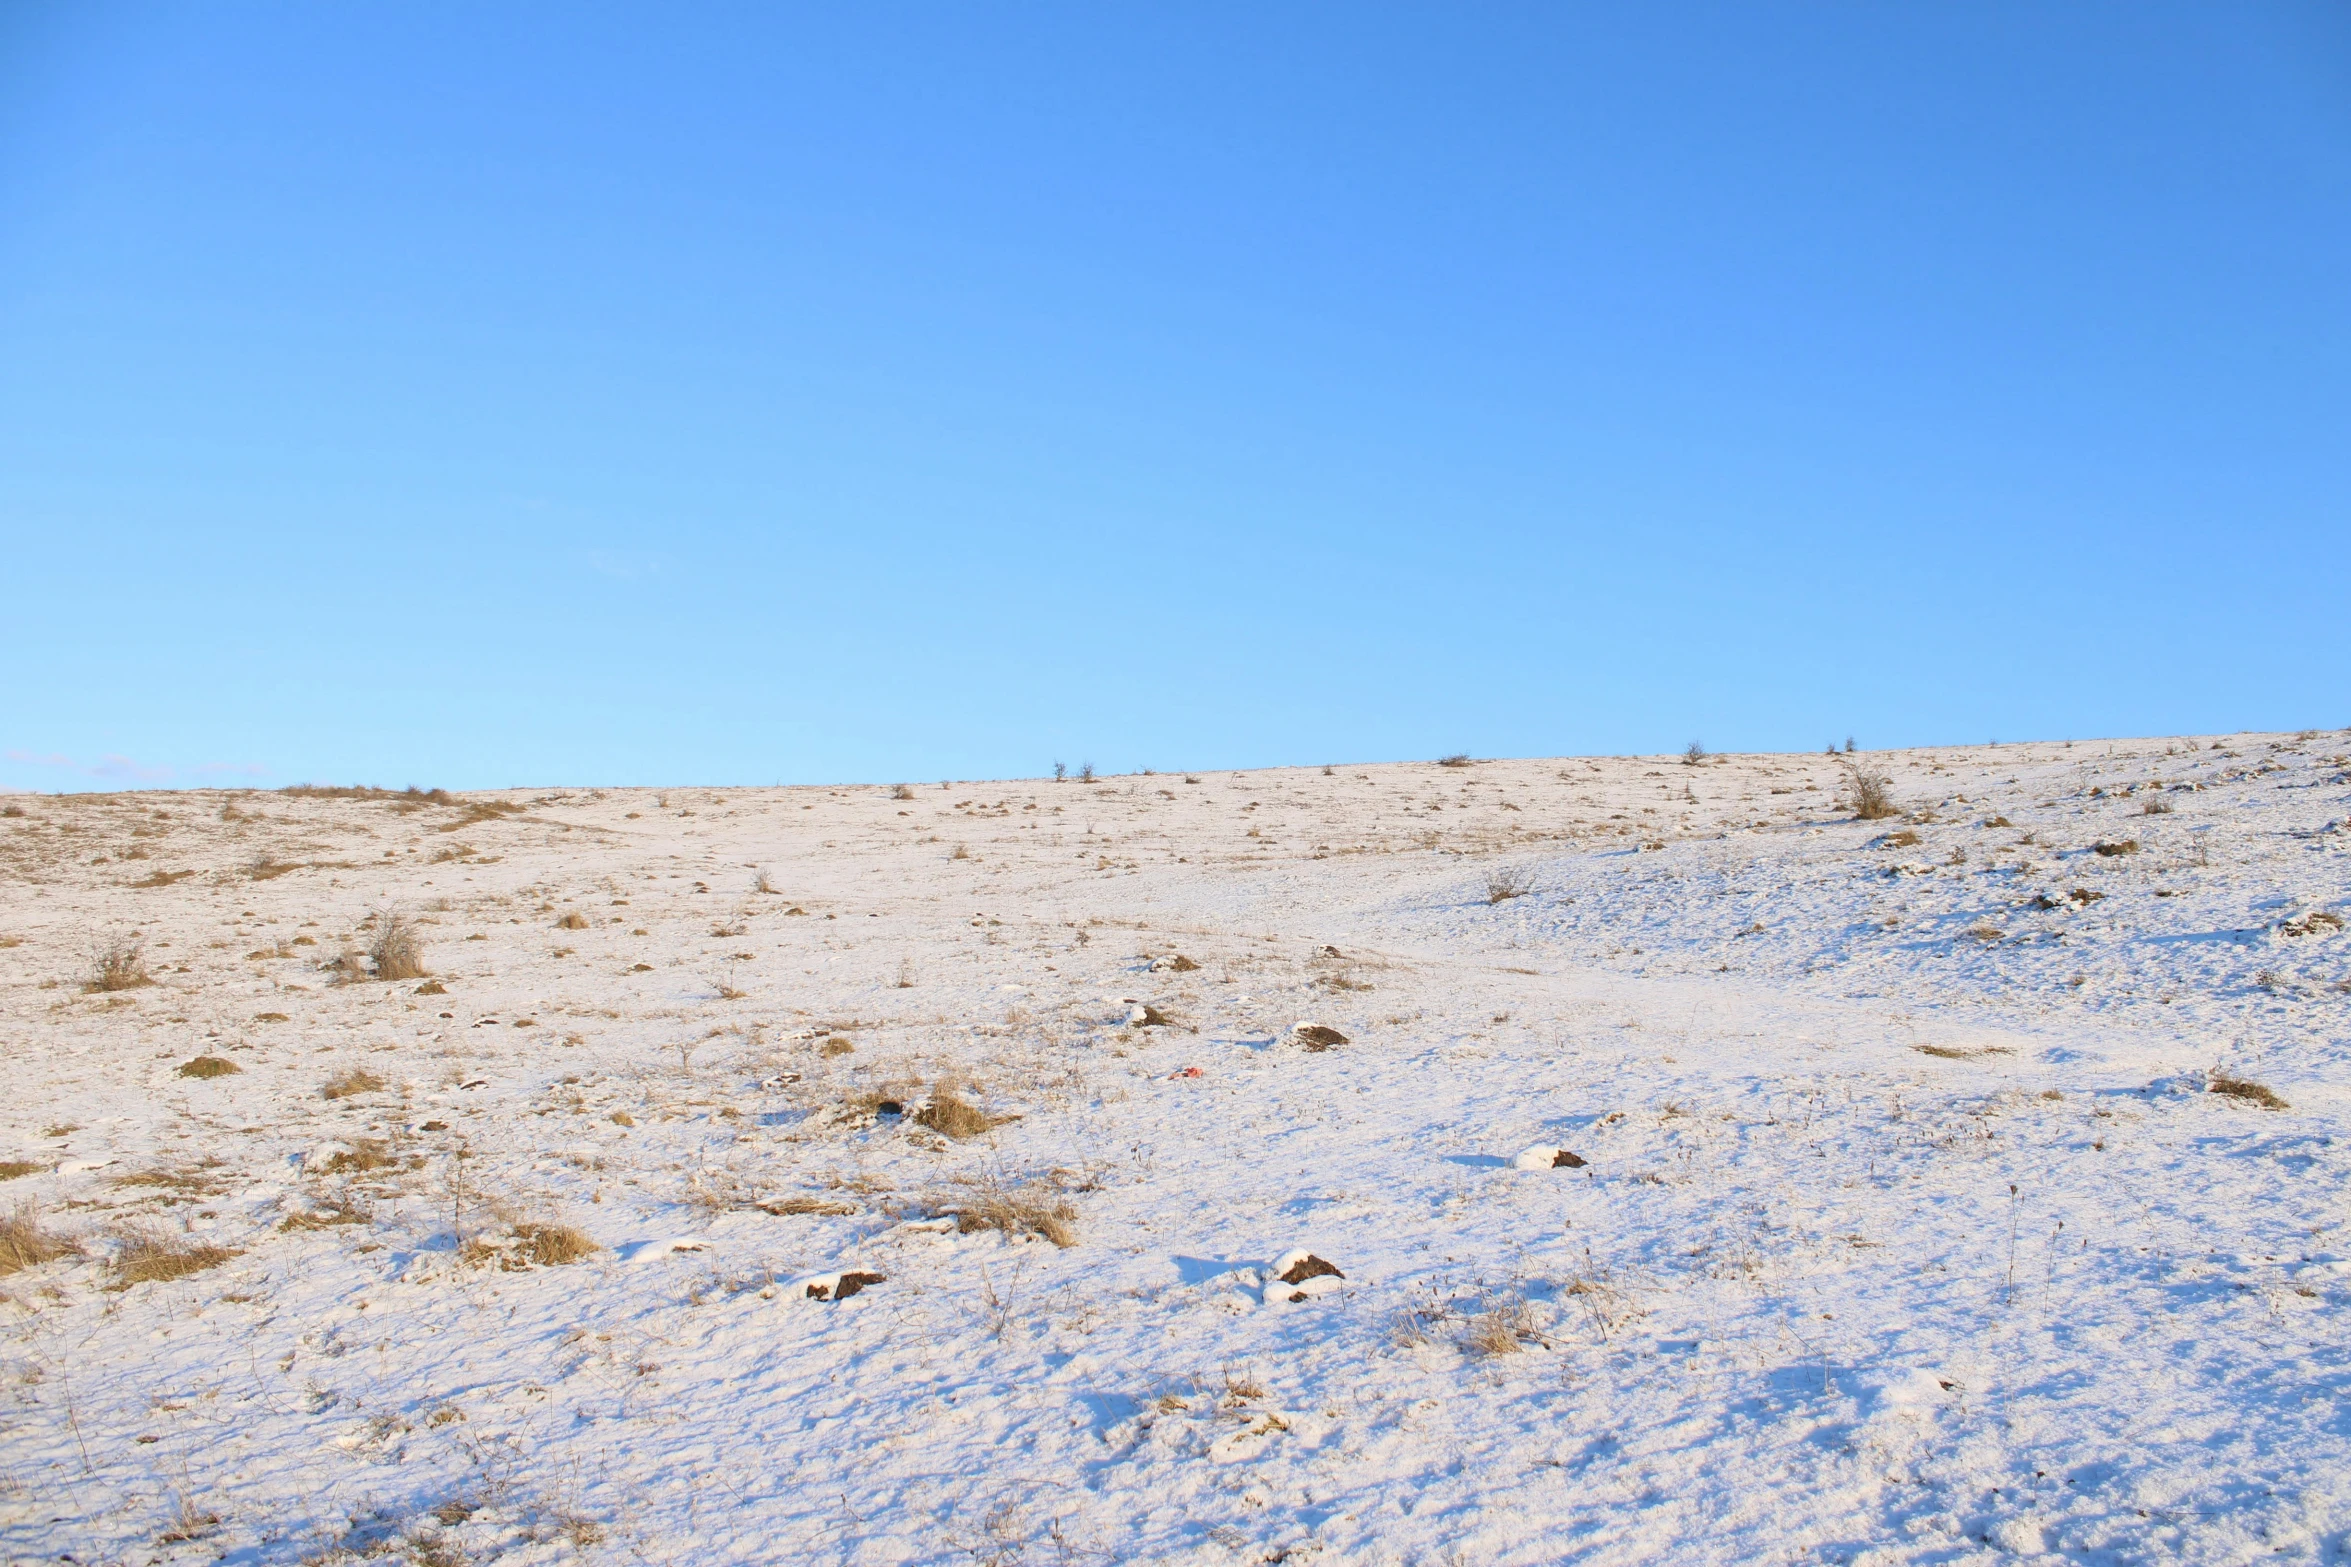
{"x":1906,"y":1227}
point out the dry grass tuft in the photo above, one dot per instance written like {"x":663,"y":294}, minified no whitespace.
{"x":2108,"y":851}
{"x":1870,"y":796}
{"x":1901,"y":838}
{"x":822,"y":1207}
{"x":1025,"y":1210}
{"x":364,"y":1155}
{"x":209,"y":1066}
{"x":356,"y":1081}
{"x":150,"y":1258}
{"x":119,"y":965}
{"x":575,"y":920}
{"x":2251,"y":1092}
{"x":835,"y":1046}
{"x":1504,"y":1328}
{"x":1956,"y":1053}
{"x":902,"y":791}
{"x":24,"y":1244}
{"x":952,"y":1115}
{"x":553,"y":1245}
{"x":1457,"y":759}
{"x":11,"y":1169}
{"x":396,"y":952}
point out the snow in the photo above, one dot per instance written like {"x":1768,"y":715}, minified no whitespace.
{"x":1909,"y":1229}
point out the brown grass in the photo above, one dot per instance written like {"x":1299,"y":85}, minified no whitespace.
{"x":147,"y":1257}
{"x":2110,"y":851}
{"x":367,"y":1153}
{"x":575,"y":920}
{"x":835,"y":1046}
{"x":1901,"y":838}
{"x":527,"y":1244}
{"x":824,"y":1207}
{"x":2251,"y":1092}
{"x":10,"y":1169}
{"x":1457,"y":759}
{"x":118,"y":965}
{"x":410,"y":796}
{"x":951,"y":1115}
{"x":24,"y":1244}
{"x":356,"y":1081}
{"x":1955,"y":1053}
{"x":1502,"y":1329}
{"x":209,"y":1066}
{"x":396,"y":951}
{"x":1027,"y":1210}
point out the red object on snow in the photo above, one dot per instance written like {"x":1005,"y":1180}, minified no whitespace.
{"x":1190,"y":1071}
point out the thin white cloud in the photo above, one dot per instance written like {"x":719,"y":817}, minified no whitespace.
{"x":113,"y":766}
{"x":32,"y":759}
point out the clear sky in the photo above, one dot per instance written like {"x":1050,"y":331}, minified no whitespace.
{"x":487,"y":395}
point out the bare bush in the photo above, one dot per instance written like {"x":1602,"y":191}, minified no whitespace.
{"x":1509,"y":881}
{"x":120,"y":964}
{"x":902,"y":792}
{"x":209,"y":1066}
{"x":1695,"y":756}
{"x":1503,"y":1328}
{"x":1457,"y":759}
{"x":574,"y":920}
{"x":1869,"y":795}
{"x":396,"y":952}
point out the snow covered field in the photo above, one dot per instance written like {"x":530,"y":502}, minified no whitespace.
{"x":1907,"y":1226}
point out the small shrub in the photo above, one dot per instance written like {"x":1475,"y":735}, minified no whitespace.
{"x":835,"y":1046}
{"x":1509,"y":881}
{"x":2156,"y":805}
{"x":902,"y":792}
{"x":1869,"y":795}
{"x":1903,"y":838}
{"x":2246,"y":1089}
{"x":1457,"y":759}
{"x":1502,"y":1329}
{"x":356,"y":1081}
{"x":1695,"y":756}
{"x":11,"y":1169}
{"x":1085,"y":772}
{"x":24,"y":1244}
{"x":119,"y":965}
{"x":150,"y":1258}
{"x":209,"y":1066}
{"x":575,"y":920}
{"x":2111,"y":851}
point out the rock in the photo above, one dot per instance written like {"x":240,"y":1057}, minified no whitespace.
{"x":837,"y":1287}
{"x":1543,"y":1157}
{"x":1296,"y":1267}
{"x":1142,"y":1016}
{"x":1315,"y":1036}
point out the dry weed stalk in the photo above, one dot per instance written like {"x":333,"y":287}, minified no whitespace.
{"x":119,"y":965}
{"x":396,"y":952}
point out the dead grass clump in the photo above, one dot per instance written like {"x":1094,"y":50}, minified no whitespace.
{"x":10,"y":1169}
{"x":553,"y":1245}
{"x":1457,"y":759}
{"x":150,"y":1258}
{"x":902,"y":791}
{"x":1870,"y":796}
{"x":2246,"y":1089}
{"x":480,"y":811}
{"x":1508,"y":881}
{"x":2156,"y":805}
{"x":162,"y":878}
{"x":952,"y":1115}
{"x":358,"y":1080}
{"x":2317,"y":922}
{"x":209,"y":1066}
{"x":835,"y":1046}
{"x":24,"y":1244}
{"x":1957,"y":1053}
{"x":2110,"y":851}
{"x":1902,"y":838}
{"x":119,"y":965}
{"x":409,"y":796}
{"x":822,"y":1207}
{"x":1015,"y":1211}
{"x":396,"y":952}
{"x":1503,"y":1328}
{"x":262,"y":868}
{"x":368,"y":1153}
{"x":575,"y":920}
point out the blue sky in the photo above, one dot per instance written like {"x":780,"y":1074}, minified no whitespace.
{"x":479,"y":396}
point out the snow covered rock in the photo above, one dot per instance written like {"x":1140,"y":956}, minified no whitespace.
{"x":1317,"y":1036}
{"x":1541,"y":1157}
